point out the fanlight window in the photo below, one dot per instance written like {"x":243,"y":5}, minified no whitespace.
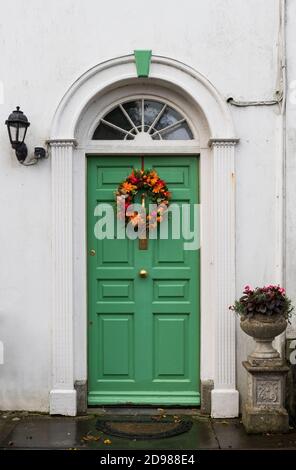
{"x":143,"y":119}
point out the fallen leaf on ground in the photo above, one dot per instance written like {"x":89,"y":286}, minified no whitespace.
{"x":90,"y":437}
{"x":156,"y":418}
{"x":107,"y":441}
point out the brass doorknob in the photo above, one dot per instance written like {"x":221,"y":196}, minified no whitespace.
{"x":143,"y":273}
{"x":92,"y":252}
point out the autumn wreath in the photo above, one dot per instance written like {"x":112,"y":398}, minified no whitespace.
{"x":148,"y":184}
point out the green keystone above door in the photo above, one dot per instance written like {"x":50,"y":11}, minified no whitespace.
{"x":143,"y":59}
{"x":143,"y":333}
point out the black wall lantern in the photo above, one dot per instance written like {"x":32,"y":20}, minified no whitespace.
{"x":17,"y":125}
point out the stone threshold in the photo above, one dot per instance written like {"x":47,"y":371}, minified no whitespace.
{"x":143,"y":410}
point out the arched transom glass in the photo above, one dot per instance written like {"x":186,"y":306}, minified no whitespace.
{"x":143,"y":120}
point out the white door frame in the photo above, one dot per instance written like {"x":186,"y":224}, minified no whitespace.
{"x":215,"y":141}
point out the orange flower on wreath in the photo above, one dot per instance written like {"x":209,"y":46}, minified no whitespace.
{"x":156,"y":189}
{"x":128,"y":187}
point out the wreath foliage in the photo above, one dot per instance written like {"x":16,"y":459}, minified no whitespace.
{"x":147,"y":183}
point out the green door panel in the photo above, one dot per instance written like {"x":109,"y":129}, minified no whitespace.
{"x":143,"y":333}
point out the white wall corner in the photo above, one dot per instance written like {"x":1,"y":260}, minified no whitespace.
{"x":63,"y":402}
{"x":225,"y":403}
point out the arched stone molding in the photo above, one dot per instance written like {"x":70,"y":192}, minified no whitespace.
{"x":76,"y":116}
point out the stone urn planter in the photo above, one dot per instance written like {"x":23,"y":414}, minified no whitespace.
{"x":264,"y":313}
{"x":264,"y":329}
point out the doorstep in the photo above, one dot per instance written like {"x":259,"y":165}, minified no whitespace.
{"x":142,"y":410}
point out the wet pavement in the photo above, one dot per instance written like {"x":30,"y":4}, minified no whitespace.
{"x":36,"y":431}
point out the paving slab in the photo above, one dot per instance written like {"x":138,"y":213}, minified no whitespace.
{"x":231,"y":434}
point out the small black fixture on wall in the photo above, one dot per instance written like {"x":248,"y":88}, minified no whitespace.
{"x":17,"y":125}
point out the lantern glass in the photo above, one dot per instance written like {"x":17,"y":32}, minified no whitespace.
{"x":21,"y":133}
{"x":17,"y":125}
{"x":12,"y":129}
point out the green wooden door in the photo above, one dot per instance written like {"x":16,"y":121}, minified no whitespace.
{"x":143,"y":333}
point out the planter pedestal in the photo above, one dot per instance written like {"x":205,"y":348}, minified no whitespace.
{"x":264,"y":410}
{"x":265,"y":354}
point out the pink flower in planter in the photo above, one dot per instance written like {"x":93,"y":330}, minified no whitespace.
{"x":247,"y":289}
{"x":268,"y":288}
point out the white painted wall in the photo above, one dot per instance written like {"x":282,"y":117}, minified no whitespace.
{"x":291,"y":162}
{"x":44,"y":48}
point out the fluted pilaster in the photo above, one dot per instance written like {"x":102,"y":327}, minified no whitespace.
{"x":224,"y":395}
{"x":62,"y":395}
